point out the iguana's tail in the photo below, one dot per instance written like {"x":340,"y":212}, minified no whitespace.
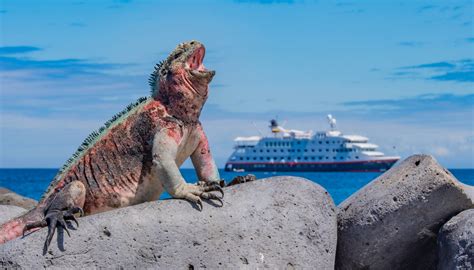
{"x":14,"y":228}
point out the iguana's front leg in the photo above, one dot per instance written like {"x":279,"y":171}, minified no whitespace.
{"x":204,"y":164}
{"x":165,"y":149}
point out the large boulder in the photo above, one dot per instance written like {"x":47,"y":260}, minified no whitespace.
{"x":8,"y":212}
{"x":280,"y":222}
{"x":8,"y":197}
{"x":456,"y":242}
{"x":393,"y":222}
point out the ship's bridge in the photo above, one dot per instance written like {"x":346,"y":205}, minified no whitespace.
{"x":355,"y":139}
{"x":361,"y":146}
{"x":242,"y":142}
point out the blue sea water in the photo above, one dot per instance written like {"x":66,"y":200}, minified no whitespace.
{"x":33,"y":182}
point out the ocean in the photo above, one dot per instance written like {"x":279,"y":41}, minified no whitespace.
{"x":33,"y":182}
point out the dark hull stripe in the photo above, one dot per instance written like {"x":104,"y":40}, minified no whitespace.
{"x":356,"y":166}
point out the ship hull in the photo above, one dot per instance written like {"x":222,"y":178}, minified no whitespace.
{"x":355,"y":166}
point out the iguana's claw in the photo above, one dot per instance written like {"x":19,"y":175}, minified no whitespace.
{"x":38,"y":224}
{"x":199,"y":202}
{"x":211,"y":196}
{"x":214,"y":186}
{"x":71,"y":217}
{"x":52,"y":219}
{"x":194,"y":193}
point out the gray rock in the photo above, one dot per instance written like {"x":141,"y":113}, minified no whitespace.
{"x":8,"y":212}
{"x":281,"y":222}
{"x":8,"y":197}
{"x":456,"y":242}
{"x":392,"y":223}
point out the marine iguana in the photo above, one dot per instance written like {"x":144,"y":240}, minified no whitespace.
{"x":136,"y":155}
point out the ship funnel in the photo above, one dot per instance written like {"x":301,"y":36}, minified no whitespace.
{"x":274,"y":126}
{"x":273,"y":123}
{"x":332,"y":122}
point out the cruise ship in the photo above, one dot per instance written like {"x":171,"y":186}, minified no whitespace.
{"x":295,"y":150}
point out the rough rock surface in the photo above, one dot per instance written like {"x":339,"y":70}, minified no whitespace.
{"x":456,"y":242}
{"x":280,"y":222}
{"x":8,"y":197}
{"x":8,"y":212}
{"x":392,"y":223}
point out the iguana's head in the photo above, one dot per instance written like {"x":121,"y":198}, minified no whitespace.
{"x":182,"y":80}
{"x":184,"y":66}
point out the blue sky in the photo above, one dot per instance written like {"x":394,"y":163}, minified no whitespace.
{"x":399,"y":72}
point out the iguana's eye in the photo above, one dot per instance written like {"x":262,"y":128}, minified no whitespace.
{"x":177,"y":55}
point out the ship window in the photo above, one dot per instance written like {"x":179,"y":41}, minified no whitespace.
{"x":298,"y":158}
{"x":298,"y":150}
{"x":306,"y":150}
{"x":305,"y":158}
{"x":327,"y":157}
{"x":312,"y":150}
{"x":261,"y":158}
{"x":261,"y":150}
{"x":357,"y":157}
{"x":320,"y":158}
{"x":342,"y":157}
{"x":241,"y":158}
{"x":247,"y":158}
{"x":254,"y":158}
{"x":320,"y":150}
{"x":268,"y":158}
{"x":320,"y":142}
{"x":274,"y":150}
{"x":254,"y":151}
{"x":268,"y":151}
{"x":312,"y":158}
{"x":327,"y":150}
{"x":281,"y":150}
{"x":327,"y":142}
{"x":298,"y":142}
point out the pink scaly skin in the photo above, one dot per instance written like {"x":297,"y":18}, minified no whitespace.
{"x":138,"y":155}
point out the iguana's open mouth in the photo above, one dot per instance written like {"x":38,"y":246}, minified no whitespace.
{"x":196,"y":66}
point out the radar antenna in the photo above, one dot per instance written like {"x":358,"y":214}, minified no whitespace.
{"x":332,"y":122}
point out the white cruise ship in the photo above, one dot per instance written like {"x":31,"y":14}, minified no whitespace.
{"x":295,"y":150}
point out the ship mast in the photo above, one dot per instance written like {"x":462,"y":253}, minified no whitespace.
{"x":332,"y":122}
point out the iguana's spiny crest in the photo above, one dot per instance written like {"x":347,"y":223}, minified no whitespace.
{"x":186,"y":59}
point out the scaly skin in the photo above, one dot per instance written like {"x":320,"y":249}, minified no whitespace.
{"x":138,"y":155}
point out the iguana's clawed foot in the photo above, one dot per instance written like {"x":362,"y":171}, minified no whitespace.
{"x":59,"y":217}
{"x":52,"y":219}
{"x":242,"y":179}
{"x":194,"y":193}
